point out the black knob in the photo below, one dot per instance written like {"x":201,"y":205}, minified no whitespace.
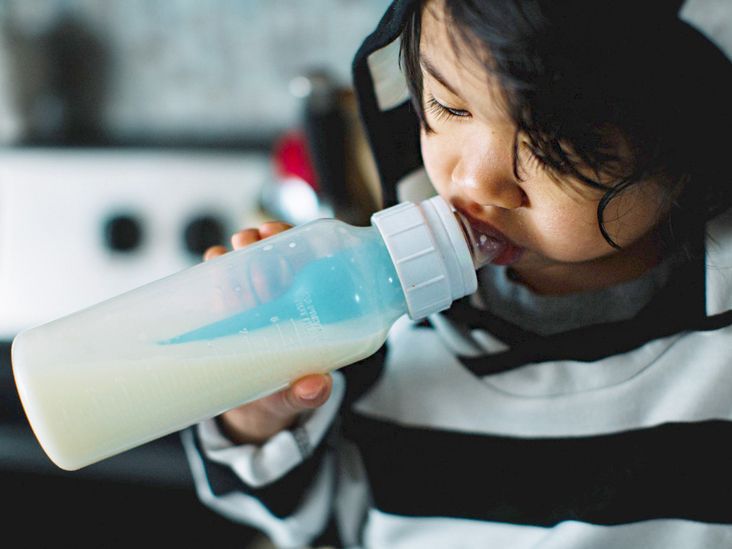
{"x":202,"y":232}
{"x":122,"y":233}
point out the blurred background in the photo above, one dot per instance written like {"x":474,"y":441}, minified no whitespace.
{"x":133,"y":135}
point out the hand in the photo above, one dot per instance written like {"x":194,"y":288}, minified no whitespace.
{"x":257,"y":421}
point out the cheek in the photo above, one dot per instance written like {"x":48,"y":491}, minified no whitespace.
{"x":436,"y":158}
{"x":568,"y":235}
{"x":569,"y":231}
{"x":633,"y":214}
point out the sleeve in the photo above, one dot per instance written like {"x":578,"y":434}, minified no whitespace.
{"x":283,"y":487}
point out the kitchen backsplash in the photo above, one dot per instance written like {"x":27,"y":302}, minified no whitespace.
{"x":160,"y":69}
{"x":186,"y":69}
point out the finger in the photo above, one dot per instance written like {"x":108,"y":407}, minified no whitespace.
{"x":304,"y":394}
{"x":245,"y":237}
{"x":271,"y":228}
{"x":312,"y":391}
{"x":214,"y":251}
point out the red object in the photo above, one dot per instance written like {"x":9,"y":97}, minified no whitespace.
{"x":292,"y":159}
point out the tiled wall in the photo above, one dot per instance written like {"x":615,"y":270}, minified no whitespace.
{"x":189,"y":68}
{"x":172,"y":68}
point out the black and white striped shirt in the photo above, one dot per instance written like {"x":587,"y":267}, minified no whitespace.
{"x":457,"y":435}
{"x":510,"y":421}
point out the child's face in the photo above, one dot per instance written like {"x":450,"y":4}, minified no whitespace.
{"x":549,"y":221}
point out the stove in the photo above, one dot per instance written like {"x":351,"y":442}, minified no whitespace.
{"x":78,"y":226}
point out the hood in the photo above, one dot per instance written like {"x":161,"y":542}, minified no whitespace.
{"x":389,"y":121}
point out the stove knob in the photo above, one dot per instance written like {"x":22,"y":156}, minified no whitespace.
{"x":122,"y":233}
{"x":203,"y":232}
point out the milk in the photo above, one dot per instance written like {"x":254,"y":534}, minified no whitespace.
{"x":192,"y":345}
{"x":119,"y":403}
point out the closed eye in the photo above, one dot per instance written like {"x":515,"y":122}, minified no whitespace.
{"x":442,"y":112}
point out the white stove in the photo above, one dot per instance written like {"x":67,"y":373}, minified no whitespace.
{"x":80,"y":226}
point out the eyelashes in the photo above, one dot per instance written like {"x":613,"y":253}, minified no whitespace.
{"x":443,"y":112}
{"x":439,"y":112}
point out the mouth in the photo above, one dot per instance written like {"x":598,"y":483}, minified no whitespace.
{"x":490,"y":244}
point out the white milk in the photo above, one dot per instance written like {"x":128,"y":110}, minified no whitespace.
{"x":84,"y":410}
{"x":167,"y":355}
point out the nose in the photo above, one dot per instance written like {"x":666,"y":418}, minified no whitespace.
{"x":487,"y":178}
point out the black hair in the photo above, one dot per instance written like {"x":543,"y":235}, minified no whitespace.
{"x":574,"y":71}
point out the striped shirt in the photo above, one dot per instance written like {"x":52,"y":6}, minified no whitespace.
{"x":511,"y":420}
{"x":469,"y":431}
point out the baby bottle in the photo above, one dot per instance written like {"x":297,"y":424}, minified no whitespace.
{"x":192,"y":345}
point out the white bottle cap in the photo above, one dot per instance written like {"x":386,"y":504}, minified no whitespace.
{"x":430,"y":253}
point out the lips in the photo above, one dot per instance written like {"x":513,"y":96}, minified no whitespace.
{"x":489,"y":244}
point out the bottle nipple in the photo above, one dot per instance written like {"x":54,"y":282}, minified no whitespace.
{"x":484,"y":248}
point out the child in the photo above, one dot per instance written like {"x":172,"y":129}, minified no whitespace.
{"x":582,"y":396}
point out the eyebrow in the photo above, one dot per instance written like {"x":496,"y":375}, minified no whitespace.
{"x":427,"y":65}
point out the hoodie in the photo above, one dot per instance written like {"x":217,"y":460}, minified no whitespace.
{"x":510,"y":420}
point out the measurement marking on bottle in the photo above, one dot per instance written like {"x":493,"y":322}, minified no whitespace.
{"x":298,"y":338}
{"x":313,"y":329}
{"x":281,"y":337}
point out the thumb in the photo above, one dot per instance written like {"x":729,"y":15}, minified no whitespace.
{"x":307,"y":393}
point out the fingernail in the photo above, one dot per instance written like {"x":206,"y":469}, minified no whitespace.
{"x":312,"y":394}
